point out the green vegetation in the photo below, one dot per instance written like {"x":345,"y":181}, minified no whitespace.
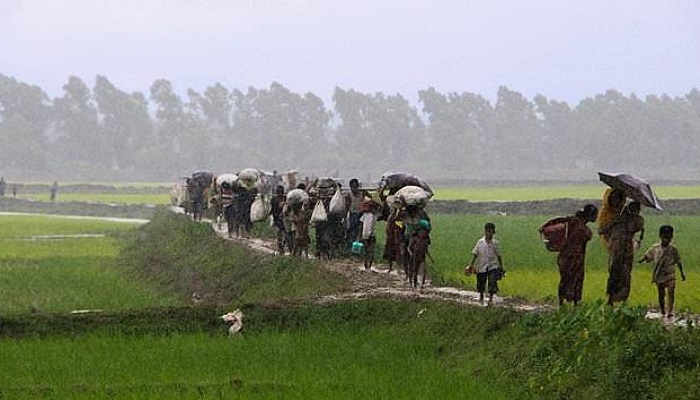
{"x":347,"y":350}
{"x":46,"y":265}
{"x":596,"y":352}
{"x":532,"y":270}
{"x":159,"y":193}
{"x":548,"y":192}
{"x":109,"y":198}
{"x":148,"y":343}
{"x":186,"y":258}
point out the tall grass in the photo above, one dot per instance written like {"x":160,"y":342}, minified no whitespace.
{"x":184,"y":257}
{"x":532,"y":270}
{"x":344,"y":351}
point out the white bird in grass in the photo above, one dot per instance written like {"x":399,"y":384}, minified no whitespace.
{"x":235,"y":321}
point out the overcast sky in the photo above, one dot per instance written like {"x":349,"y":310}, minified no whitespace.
{"x":565,"y":50}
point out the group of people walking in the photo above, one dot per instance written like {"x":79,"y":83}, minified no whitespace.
{"x":621,"y":229}
{"x":344,"y":222}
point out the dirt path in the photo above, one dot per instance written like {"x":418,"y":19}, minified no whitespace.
{"x":378,"y":282}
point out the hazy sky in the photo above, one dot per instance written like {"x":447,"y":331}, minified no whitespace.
{"x":566,"y":50}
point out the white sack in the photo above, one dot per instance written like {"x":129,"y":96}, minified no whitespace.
{"x":337,"y":204}
{"x":413,"y":196}
{"x":260,"y":209}
{"x":297,"y":196}
{"x":319,"y":214}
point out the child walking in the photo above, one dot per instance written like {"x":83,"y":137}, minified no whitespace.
{"x":367,"y":234}
{"x":665,"y":256}
{"x":487,"y":255}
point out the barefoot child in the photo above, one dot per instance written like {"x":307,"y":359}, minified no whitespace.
{"x":489,"y":266}
{"x":665,"y":256}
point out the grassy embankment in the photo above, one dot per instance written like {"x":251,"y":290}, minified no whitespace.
{"x":295,"y":349}
{"x":344,"y":350}
{"x":291,"y":348}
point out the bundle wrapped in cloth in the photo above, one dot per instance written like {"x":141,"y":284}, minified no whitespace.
{"x":297,"y":196}
{"x":226,"y":181}
{"x":201,"y":179}
{"x":413,"y":196}
{"x":248,"y":178}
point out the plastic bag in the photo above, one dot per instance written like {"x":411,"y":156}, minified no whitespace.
{"x":319,"y":213}
{"x":260,"y":209}
{"x":337,"y":204}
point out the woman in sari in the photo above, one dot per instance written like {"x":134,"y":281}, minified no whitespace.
{"x":617,"y":229}
{"x":571,"y":258}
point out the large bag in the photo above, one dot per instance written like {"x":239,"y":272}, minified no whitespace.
{"x":554,"y":233}
{"x":248,"y":178}
{"x":319,"y":213}
{"x":260,"y":209}
{"x":413,"y":196}
{"x":337,"y":204}
{"x":297,"y":196}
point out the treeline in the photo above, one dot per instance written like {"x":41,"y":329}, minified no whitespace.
{"x":105,"y":133}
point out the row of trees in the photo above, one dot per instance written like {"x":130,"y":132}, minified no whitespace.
{"x":104,"y":133}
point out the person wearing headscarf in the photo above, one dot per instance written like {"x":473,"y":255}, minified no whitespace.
{"x":571,"y":258}
{"x":618,"y":227}
{"x":613,"y":202}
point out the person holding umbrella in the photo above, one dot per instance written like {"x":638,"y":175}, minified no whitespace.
{"x":618,"y":226}
{"x":618,"y":230}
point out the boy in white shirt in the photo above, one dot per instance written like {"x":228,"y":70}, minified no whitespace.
{"x":489,"y":265}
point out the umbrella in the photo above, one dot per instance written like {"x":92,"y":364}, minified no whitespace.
{"x":635,"y":188}
{"x":397,"y":180}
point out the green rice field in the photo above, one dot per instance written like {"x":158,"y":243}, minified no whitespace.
{"x":532,"y":270}
{"x":51,"y":266}
{"x":55,"y":264}
{"x":107,"y":198}
{"x":548,"y":192}
{"x":346,"y":362}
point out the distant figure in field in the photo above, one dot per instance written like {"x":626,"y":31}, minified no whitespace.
{"x":571,"y":258}
{"x":3,"y":186}
{"x":53,"y":191}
